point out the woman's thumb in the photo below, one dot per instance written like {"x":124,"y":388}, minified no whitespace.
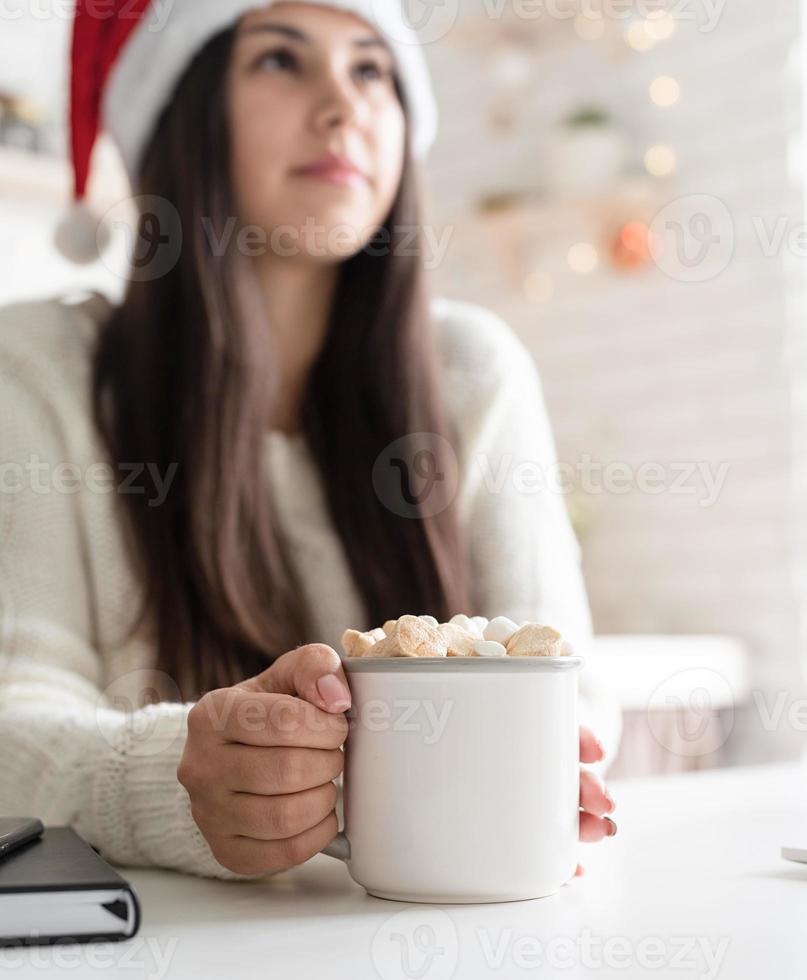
{"x":312,"y":672}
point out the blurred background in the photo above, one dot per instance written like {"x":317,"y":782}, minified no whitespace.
{"x":624,"y":184}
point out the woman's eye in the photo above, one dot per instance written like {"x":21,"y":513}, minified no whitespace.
{"x":284,"y":58}
{"x":280,"y":55}
{"x":373,"y":67}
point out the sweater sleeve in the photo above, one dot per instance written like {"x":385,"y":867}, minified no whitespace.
{"x":70,"y":756}
{"x":525,"y":558}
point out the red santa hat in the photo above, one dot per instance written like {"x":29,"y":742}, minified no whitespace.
{"x":127,"y":56}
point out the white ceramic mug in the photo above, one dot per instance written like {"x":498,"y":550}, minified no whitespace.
{"x":461,"y":779}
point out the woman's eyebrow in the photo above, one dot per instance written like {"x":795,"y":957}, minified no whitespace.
{"x":297,"y":35}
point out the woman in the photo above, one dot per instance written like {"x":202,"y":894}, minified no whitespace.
{"x":194,"y":507}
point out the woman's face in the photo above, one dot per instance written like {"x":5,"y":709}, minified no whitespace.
{"x":305,"y":81}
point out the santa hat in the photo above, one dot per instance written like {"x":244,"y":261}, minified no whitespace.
{"x":127,"y":56}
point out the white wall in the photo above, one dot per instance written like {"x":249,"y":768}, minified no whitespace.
{"x":641,"y":367}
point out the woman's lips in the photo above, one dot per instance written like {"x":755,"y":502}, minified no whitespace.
{"x":334,"y":173}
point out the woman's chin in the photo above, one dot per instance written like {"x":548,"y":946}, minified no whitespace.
{"x":336,"y":230}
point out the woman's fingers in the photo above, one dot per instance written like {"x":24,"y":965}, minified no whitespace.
{"x":247,"y":716}
{"x":248,"y":855}
{"x":594,"y":828}
{"x":591,"y":749}
{"x":595,"y":800}
{"x":594,"y":797}
{"x":272,"y":771}
{"x":276,"y":817}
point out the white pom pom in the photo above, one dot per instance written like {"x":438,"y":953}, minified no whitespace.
{"x":81,"y":236}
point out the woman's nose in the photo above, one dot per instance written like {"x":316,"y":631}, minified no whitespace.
{"x":340,"y":105}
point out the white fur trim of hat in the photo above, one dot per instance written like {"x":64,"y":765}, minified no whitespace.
{"x":158,"y":52}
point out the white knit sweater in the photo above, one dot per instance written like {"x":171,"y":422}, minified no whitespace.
{"x":79,"y":746}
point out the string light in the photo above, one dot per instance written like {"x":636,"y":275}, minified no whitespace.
{"x":638,"y":37}
{"x":582,"y":258}
{"x":660,"y":160}
{"x":660,"y":25}
{"x":633,"y":246}
{"x":664,"y":91}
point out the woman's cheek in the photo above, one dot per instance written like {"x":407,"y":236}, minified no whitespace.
{"x":390,"y":142}
{"x":256,"y":175}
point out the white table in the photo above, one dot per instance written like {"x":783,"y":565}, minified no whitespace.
{"x":694,"y":877}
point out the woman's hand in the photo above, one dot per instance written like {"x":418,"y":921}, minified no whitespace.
{"x":260,"y":758}
{"x":595,"y":800}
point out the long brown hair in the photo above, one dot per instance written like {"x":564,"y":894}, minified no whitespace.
{"x":184,"y":376}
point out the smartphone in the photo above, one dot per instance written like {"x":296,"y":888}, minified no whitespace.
{"x":16,"y":831}
{"x":795,"y":854}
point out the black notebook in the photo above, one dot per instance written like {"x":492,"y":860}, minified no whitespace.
{"x":58,"y":889}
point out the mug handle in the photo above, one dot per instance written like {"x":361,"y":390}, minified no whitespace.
{"x":338,"y":848}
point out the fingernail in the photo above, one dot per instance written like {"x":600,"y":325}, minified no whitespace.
{"x":333,"y":692}
{"x":611,"y":801}
{"x":601,"y":747}
{"x":611,"y":826}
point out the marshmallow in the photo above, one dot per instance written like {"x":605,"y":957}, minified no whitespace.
{"x":461,"y":620}
{"x":480,"y":622}
{"x":411,"y":637}
{"x":458,"y":640}
{"x":356,"y":644}
{"x":488,"y":648}
{"x":534,"y":640}
{"x":500,"y":629}
{"x":462,"y":636}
